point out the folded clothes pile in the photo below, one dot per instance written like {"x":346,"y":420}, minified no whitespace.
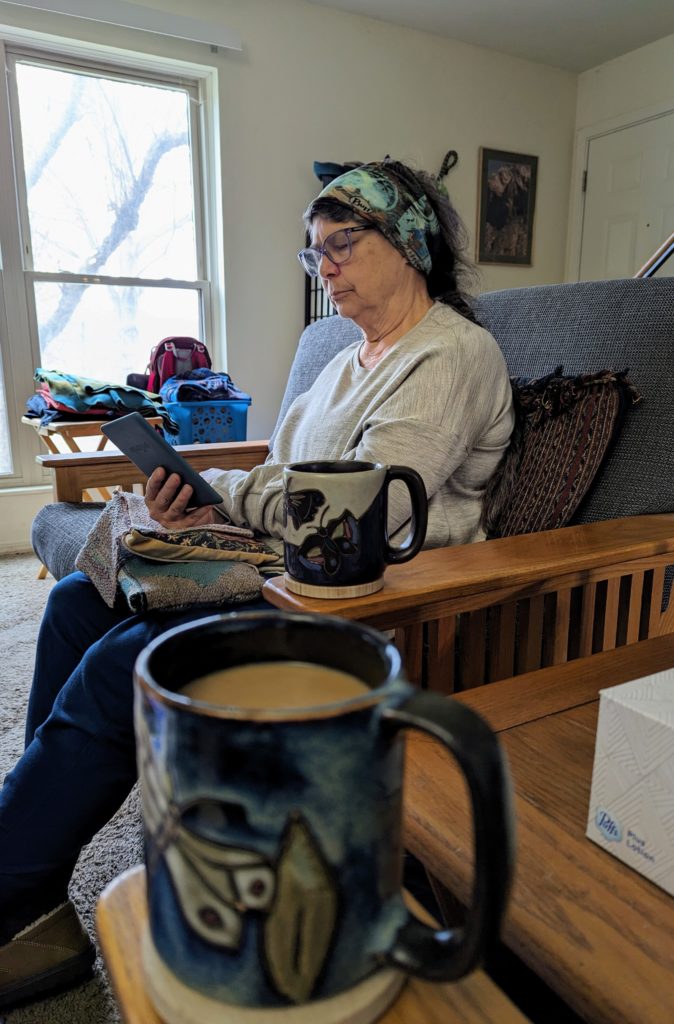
{"x":201,"y":385}
{"x":66,"y":396}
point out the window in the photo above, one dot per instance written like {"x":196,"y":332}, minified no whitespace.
{"x":108,"y":243}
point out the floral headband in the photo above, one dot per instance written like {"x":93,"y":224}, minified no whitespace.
{"x":380,"y":197}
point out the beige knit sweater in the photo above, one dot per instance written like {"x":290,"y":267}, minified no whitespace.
{"x":439,"y":401}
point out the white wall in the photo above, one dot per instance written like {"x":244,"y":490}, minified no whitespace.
{"x":18,"y":506}
{"x":313,"y":83}
{"x":320,"y":84}
{"x":634,"y":82}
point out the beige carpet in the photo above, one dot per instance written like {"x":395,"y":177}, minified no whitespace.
{"x":116,"y":847}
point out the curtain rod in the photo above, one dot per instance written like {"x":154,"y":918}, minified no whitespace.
{"x":146,"y":19}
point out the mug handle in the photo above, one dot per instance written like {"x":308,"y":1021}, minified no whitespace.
{"x":419,"y":500}
{"x":450,"y":954}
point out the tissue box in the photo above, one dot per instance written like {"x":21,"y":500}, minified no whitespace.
{"x":632,"y":800}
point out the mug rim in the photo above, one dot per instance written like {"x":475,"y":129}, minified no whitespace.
{"x":346,"y":466}
{"x":145,"y":681}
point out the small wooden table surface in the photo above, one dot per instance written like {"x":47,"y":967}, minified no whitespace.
{"x":121,"y":917}
{"x":600,"y":934}
{"x":71,"y":430}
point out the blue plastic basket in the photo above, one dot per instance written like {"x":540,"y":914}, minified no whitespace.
{"x":208,"y":422}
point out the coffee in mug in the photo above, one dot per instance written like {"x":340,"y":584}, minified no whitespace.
{"x":275,"y":684}
{"x":335,"y":516}
{"x":271,"y":765}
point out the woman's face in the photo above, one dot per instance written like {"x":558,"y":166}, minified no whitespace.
{"x":363,"y":287}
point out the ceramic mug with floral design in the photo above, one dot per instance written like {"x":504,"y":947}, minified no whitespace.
{"x":336,"y":531}
{"x":272,"y":813}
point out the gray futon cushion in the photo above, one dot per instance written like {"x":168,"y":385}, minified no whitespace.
{"x":59,"y":531}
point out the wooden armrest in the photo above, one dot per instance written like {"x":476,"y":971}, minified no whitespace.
{"x":78,"y":471}
{"x":477,"y":613}
{"x":462,"y":578}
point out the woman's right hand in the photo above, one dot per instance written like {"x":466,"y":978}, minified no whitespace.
{"x":167,"y":502}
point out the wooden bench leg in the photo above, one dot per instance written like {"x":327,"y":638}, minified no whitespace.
{"x":42,"y":572}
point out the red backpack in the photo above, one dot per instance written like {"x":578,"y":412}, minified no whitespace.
{"x":172,"y":356}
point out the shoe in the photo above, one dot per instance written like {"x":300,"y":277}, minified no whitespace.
{"x":47,"y":956}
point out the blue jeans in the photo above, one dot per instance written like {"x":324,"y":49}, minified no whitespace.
{"x":79,"y":763}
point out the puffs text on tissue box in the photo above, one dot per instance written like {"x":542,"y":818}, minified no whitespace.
{"x":631,"y":810}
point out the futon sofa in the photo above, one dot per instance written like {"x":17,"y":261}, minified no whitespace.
{"x":585,"y":328}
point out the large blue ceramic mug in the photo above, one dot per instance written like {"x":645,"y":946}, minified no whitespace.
{"x":270,"y":755}
{"x":335,"y":526}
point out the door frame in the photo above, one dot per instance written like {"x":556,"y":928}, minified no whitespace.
{"x":581,"y":154}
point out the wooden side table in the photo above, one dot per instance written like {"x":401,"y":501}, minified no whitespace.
{"x":593,"y":929}
{"x":121,"y":917}
{"x":71,"y":430}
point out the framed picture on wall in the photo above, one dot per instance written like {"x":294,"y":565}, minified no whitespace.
{"x":507,"y":196}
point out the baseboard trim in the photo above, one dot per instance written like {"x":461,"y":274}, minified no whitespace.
{"x":18,"y":508}
{"x":15,"y":548}
{"x":12,"y":492}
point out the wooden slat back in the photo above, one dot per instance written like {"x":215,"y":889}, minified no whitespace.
{"x":547,"y":628}
{"x":473,"y":648}
{"x":655,"y":613}
{"x":441,"y":664}
{"x":611,"y":610}
{"x":530,"y":644}
{"x":634,"y":610}
{"x":502,"y":641}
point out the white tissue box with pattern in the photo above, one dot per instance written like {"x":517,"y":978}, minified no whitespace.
{"x":631,"y":810}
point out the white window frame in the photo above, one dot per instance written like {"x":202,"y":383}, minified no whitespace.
{"x":18,"y":322}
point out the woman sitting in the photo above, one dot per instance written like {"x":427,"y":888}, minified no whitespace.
{"x":426,"y":387}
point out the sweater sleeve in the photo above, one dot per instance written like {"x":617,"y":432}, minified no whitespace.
{"x":251,"y":498}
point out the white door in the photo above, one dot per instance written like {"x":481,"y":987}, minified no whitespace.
{"x":629,"y":199}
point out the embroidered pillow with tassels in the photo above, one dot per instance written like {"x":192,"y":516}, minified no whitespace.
{"x":564,"y":428}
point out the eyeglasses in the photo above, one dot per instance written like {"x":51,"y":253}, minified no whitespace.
{"x":337,"y":247}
